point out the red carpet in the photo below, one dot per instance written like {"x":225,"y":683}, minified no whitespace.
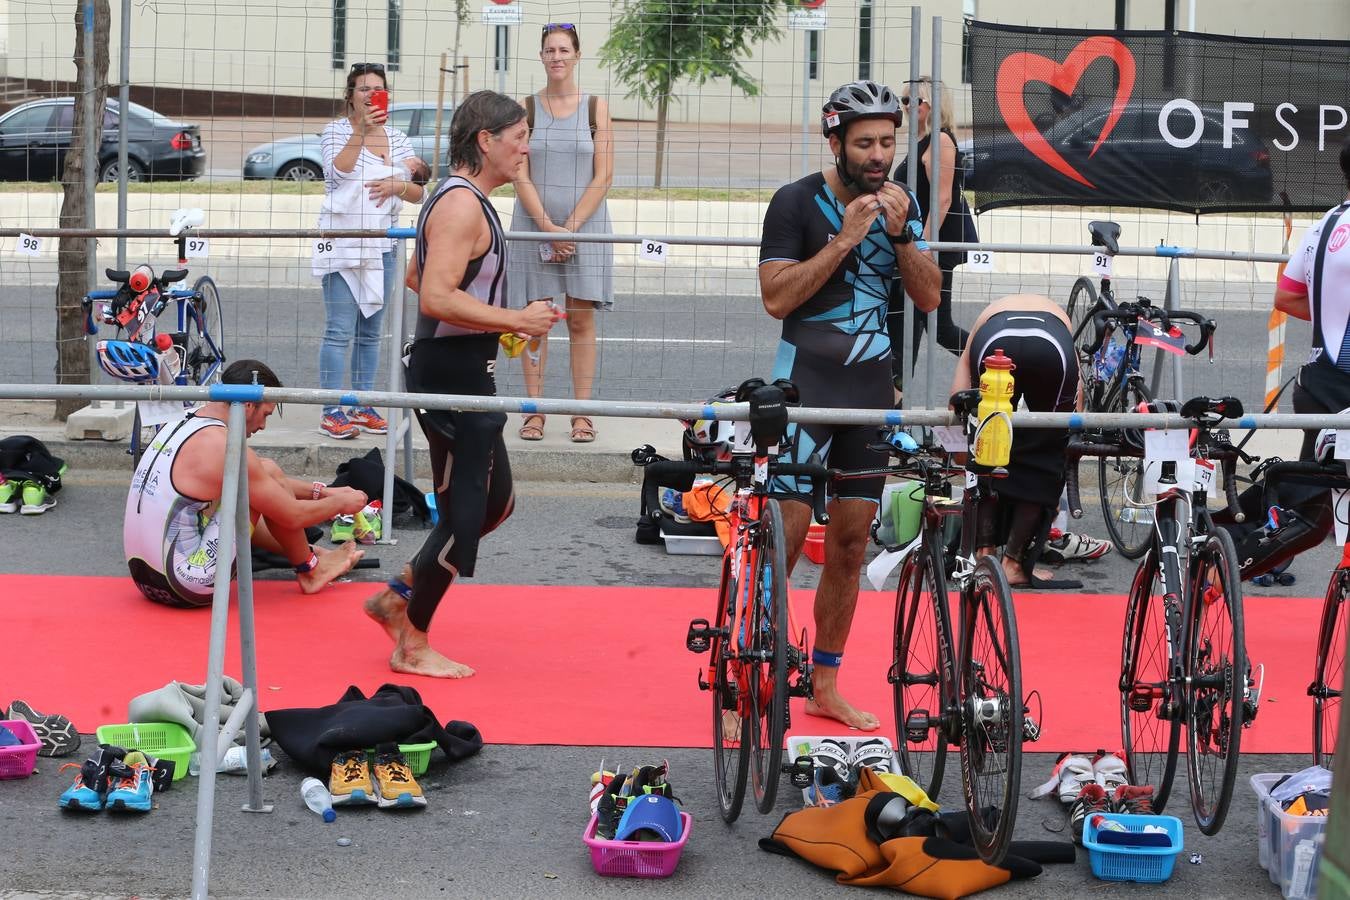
{"x":571,"y":665}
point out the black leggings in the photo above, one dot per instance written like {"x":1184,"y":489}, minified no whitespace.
{"x":468,"y":462}
{"x":950,"y":336}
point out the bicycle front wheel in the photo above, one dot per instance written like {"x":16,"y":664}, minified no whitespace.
{"x":1082,"y":304}
{"x":765,"y":666}
{"x":919,"y":667}
{"x":1120,"y":484}
{"x":1216,"y":671}
{"x":1150,"y":720}
{"x":205,"y":348}
{"x":1330,"y":671}
{"x":992,"y":713}
{"x":730,"y":761}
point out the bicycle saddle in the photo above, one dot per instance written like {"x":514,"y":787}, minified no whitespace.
{"x":1105,"y":234}
{"x":1208,"y":407}
{"x":183,"y":219}
{"x":965,"y":402}
{"x":790,"y":393}
{"x":768,"y":415}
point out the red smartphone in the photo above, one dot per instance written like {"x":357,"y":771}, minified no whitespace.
{"x":380,"y":100}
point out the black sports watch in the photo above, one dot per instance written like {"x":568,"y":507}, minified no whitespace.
{"x":904,"y":237}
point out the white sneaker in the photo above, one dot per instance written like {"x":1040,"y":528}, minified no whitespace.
{"x":1110,"y":771}
{"x":1067,"y":778}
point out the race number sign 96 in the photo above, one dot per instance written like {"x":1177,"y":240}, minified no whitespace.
{"x":323,"y":247}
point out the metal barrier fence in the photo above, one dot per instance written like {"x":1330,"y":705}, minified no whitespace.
{"x":235,"y":521}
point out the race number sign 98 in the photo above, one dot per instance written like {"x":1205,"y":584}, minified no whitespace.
{"x":29,"y":245}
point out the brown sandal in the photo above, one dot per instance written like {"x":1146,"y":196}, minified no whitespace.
{"x":583,"y":433}
{"x":530,"y":431}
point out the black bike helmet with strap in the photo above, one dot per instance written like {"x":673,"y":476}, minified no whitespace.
{"x":858,"y":100}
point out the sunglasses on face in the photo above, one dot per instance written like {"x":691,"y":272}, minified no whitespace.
{"x":362,"y":68}
{"x":559,"y":26}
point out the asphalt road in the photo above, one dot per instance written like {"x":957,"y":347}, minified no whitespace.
{"x":680,"y":346}
{"x":508,"y":822}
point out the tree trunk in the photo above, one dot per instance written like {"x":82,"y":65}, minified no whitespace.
{"x":662,"y":106}
{"x":72,"y":348}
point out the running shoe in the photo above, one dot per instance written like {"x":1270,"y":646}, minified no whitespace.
{"x":36,"y":499}
{"x":368,"y":420}
{"x":57,"y":733}
{"x":1091,"y":800}
{"x":871,"y":754}
{"x":367,"y":526}
{"x":1071,"y":773}
{"x":1137,"y":801}
{"x":131,"y":784}
{"x":1065,"y":546}
{"x":9,"y":496}
{"x":343,"y":526}
{"x":349,"y":779}
{"x":672,"y":504}
{"x":1111,"y":772}
{"x":89,"y":791}
{"x":336,"y":425}
{"x":395,"y":785}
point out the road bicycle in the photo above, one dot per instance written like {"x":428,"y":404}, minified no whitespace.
{"x":758,"y":657}
{"x":1329,"y":666}
{"x":143,"y":353}
{"x":1109,"y":338}
{"x":965,"y":692}
{"x":1183,"y":654}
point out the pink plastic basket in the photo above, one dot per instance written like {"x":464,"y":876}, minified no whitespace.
{"x":18,"y":761}
{"x":636,"y":859}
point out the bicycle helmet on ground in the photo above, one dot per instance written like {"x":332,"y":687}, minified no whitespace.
{"x":129,"y":361}
{"x":858,"y":100}
{"x":709,"y":438}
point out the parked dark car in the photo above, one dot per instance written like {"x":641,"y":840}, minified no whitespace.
{"x":300,"y":158}
{"x":35,"y":137}
{"x":1135,"y":166}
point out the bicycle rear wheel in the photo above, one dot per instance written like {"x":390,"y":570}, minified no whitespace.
{"x":1120,"y":479}
{"x":1150,"y":723}
{"x":1082,"y":304}
{"x":205,"y":347}
{"x":1216,"y":669}
{"x":922,"y":657}
{"x":1330,"y":671}
{"x":765,"y":665}
{"x":992,"y":714}
{"x":730,"y":761}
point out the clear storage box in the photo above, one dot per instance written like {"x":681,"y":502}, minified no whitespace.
{"x":1289,"y":847}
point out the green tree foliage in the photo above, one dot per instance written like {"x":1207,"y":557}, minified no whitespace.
{"x":655,"y":45}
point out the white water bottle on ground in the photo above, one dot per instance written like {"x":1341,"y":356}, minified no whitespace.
{"x":317,"y":798}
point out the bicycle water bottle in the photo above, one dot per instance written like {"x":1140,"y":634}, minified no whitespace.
{"x":140,"y":279}
{"x":317,"y":798}
{"x":993,"y":435}
{"x":169,"y":359}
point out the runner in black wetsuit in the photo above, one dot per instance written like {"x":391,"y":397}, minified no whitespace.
{"x":459,"y":273}
{"x":832,"y":243}
{"x":1035,"y":333}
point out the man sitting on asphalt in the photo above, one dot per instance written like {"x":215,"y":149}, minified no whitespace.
{"x":172,"y":526}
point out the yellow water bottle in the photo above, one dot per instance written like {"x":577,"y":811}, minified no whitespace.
{"x":993,"y":434}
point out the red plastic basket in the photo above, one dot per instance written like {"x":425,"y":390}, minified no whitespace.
{"x":636,"y":859}
{"x":18,"y":761}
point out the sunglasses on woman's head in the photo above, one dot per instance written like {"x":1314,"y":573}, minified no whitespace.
{"x":362,"y":68}
{"x":559,"y":26}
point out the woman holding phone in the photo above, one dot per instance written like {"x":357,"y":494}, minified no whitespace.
{"x":367,"y":177}
{"x":561,"y":188}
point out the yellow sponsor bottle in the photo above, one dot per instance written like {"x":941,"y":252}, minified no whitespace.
{"x":993,"y":435}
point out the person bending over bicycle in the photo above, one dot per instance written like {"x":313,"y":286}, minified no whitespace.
{"x":832,"y":243}
{"x":171,"y":527}
{"x":1315,"y":286}
{"x":1035,"y":333}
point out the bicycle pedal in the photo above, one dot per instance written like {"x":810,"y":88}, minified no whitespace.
{"x":1031,"y":729}
{"x":801,"y":772}
{"x":917,"y":725}
{"x":699,"y":638}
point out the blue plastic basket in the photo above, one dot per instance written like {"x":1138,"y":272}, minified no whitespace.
{"x":1118,"y":862}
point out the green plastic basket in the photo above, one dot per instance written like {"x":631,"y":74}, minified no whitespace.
{"x":163,"y":740}
{"x":417,"y":755}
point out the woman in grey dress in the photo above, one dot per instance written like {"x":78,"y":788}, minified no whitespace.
{"x":562,"y":188}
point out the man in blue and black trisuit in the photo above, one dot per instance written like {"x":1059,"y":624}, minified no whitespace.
{"x":833,"y":242}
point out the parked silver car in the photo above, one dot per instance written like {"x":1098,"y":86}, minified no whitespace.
{"x":300,"y":158}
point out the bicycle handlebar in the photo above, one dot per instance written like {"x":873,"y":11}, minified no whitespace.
{"x":1226,"y":455}
{"x":1130,"y":311}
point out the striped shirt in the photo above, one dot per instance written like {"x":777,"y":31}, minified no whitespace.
{"x":335,"y":136}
